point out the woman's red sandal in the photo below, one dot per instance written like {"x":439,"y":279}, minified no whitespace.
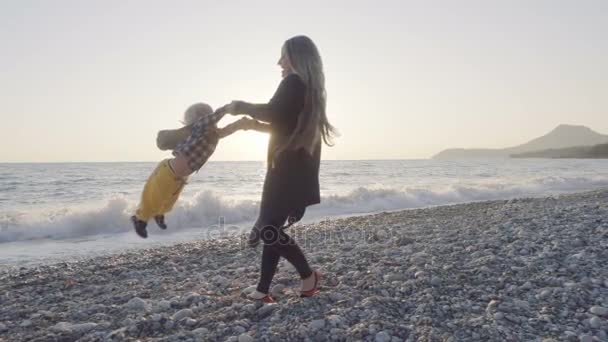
{"x":257,"y":296}
{"x":315,"y":288}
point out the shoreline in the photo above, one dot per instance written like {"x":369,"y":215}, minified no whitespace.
{"x":69,"y":249}
{"x":520,"y":269}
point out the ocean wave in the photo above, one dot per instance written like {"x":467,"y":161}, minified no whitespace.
{"x":207,"y":208}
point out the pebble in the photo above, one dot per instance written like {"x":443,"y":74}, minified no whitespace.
{"x":192,"y":298}
{"x":586,"y":338}
{"x":175,"y":300}
{"x":249,"y":308}
{"x":403,"y":241}
{"x":317,"y":324}
{"x":599,"y":310}
{"x":266,"y":309}
{"x":116,"y":334}
{"x":181,"y":314}
{"x":83,"y":327}
{"x":393,"y":277}
{"x":595,"y":322}
{"x":62,"y":327}
{"x":46,"y":314}
{"x":527,"y":286}
{"x":492,"y":305}
{"x":245,"y":338}
{"x":163,"y":305}
{"x":277,"y":290}
{"x":201,"y":332}
{"x":65,"y":327}
{"x":249,"y":289}
{"x":383,"y":336}
{"x":137,"y":304}
{"x":335,"y":320}
{"x":220,"y":281}
{"x":190,"y":322}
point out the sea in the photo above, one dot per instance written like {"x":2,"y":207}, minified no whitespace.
{"x":52,"y":212}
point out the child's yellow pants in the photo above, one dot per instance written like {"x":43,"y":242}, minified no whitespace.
{"x":160,"y":192}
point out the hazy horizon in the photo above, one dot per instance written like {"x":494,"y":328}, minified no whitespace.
{"x":324,"y":159}
{"x":94,"y":82}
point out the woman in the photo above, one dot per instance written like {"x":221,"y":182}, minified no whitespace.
{"x":297,"y":124}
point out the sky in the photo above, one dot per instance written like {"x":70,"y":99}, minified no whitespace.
{"x":95,"y":80}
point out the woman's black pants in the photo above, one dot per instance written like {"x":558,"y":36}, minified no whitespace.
{"x":278,"y":244}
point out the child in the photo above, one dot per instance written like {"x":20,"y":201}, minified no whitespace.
{"x":197,"y":141}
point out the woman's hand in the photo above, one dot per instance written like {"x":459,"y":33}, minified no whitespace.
{"x":231,"y":108}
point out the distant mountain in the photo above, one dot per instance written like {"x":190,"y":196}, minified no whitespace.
{"x":562,"y":136}
{"x":595,"y":151}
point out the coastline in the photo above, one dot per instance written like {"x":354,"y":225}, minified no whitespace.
{"x":521,"y":269}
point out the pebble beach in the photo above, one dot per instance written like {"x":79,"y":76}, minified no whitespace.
{"x":530,"y":269}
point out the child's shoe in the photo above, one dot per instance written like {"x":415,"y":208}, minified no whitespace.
{"x":140,"y":226}
{"x":160,"y":221}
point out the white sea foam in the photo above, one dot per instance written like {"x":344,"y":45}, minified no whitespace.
{"x":209,"y":208}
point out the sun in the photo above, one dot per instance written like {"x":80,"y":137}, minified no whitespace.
{"x":246,"y":145}
{"x":259,"y":140}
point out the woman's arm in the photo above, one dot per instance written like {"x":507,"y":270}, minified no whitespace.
{"x":260,"y":111}
{"x":243,"y":124}
{"x":287,"y":100}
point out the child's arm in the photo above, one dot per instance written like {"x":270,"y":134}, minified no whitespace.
{"x":258,"y":126}
{"x":243,"y":124}
{"x":168,"y":139}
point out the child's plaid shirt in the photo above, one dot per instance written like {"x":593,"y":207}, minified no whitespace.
{"x":200,"y":145}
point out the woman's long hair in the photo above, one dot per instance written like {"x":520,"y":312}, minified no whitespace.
{"x":312,"y":122}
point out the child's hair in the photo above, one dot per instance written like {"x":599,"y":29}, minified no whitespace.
{"x":195,"y":112}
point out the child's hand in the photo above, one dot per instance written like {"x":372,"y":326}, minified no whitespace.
{"x":246,"y":123}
